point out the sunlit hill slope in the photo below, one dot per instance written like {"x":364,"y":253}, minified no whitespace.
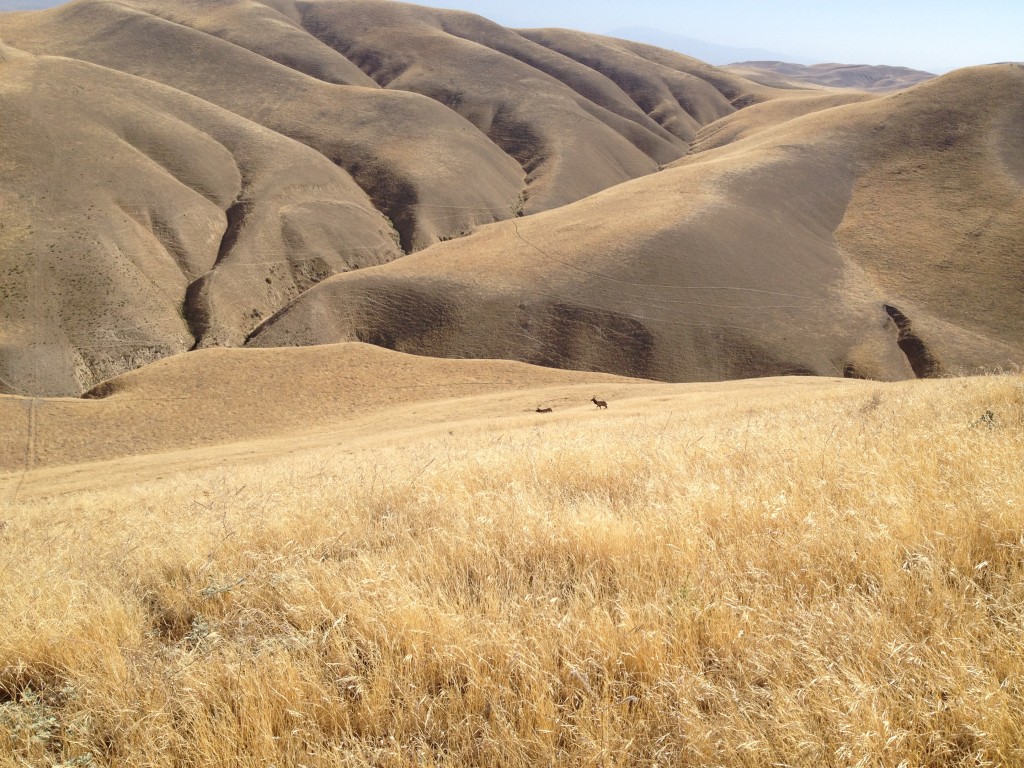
{"x":181,"y":175}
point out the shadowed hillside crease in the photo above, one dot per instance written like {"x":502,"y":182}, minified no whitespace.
{"x":159,"y":255}
{"x":434,"y":183}
{"x":774,"y":250}
{"x":382,"y":387}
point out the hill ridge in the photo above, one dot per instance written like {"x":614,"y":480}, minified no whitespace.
{"x":476,"y":205}
{"x":797,"y":159}
{"x":834,"y":75}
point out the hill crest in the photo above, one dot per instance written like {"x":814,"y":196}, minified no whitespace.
{"x":432,"y":182}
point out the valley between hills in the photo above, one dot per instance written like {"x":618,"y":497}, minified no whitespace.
{"x":188,"y":175}
{"x":306,"y":311}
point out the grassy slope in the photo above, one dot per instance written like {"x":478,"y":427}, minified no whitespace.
{"x":145,"y":221}
{"x":856,"y":76}
{"x":820,"y":245}
{"x":219,"y":396}
{"x":826,"y":574}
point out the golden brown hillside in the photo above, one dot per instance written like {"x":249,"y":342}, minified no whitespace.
{"x":144,"y":221}
{"x":857,"y":76}
{"x":802,"y":572}
{"x":879,"y":239}
{"x":653,"y":216}
{"x":362,"y":400}
{"x":219,"y":396}
{"x":412,"y":156}
{"x":574,"y":130}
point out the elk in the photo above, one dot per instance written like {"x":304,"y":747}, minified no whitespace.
{"x":599,"y":403}
{"x":544,"y":410}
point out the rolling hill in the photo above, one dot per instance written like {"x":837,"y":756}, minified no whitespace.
{"x":179,"y":175}
{"x":136,"y":228}
{"x":880,"y":238}
{"x":859,"y":76}
{"x":216,"y":397}
{"x":305,"y":308}
{"x":152,"y":222}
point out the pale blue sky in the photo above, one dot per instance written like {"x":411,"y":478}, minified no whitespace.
{"x":935,"y":35}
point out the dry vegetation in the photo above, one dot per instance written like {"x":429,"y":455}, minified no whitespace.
{"x":828,"y":582}
{"x":407,"y":564}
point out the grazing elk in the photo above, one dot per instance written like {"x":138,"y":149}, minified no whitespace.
{"x":599,"y":403}
{"x":544,"y":410}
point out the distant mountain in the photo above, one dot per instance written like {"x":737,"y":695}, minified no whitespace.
{"x":861,"y":76}
{"x":712,"y":53}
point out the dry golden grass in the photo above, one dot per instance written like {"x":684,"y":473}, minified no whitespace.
{"x":826,"y":581}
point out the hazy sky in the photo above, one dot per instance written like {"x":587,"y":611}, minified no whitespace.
{"x":935,"y":35}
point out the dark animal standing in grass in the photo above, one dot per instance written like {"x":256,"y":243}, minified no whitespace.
{"x":544,"y":410}
{"x":599,"y":403}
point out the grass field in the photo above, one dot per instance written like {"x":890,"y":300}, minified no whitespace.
{"x":830,"y":577}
